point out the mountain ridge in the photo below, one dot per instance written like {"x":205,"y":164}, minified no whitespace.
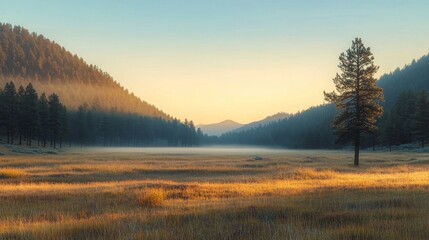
{"x":267,"y":120}
{"x":217,"y":129}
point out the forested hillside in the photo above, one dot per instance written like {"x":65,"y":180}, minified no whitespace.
{"x":270,"y":119}
{"x":307,"y":129}
{"x":85,"y":105}
{"x":405,"y":118}
{"x":29,"y":57}
{"x":414,"y":77}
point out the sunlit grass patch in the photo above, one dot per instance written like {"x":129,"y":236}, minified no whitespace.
{"x":311,"y":173}
{"x":106,"y":226}
{"x":154,"y":197}
{"x":11,"y":173}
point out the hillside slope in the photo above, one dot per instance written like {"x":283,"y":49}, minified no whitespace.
{"x":261,"y":123}
{"x":30,"y":57}
{"x":414,"y":76}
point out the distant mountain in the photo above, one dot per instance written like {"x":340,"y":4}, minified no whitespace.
{"x":29,"y":57}
{"x":261,"y":123}
{"x":217,"y":129}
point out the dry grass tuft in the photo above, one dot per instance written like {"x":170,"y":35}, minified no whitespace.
{"x":154,"y":197}
{"x":11,"y":173}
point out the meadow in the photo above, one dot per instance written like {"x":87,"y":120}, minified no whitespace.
{"x":193,"y":194}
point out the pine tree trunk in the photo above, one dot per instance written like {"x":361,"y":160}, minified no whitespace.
{"x":357,"y":147}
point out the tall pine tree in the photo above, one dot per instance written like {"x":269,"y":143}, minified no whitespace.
{"x":20,"y":113}
{"x":44,"y":130}
{"x":10,"y":110}
{"x":389,"y":129}
{"x":55,"y":113}
{"x":357,"y":98}
{"x":31,"y":113}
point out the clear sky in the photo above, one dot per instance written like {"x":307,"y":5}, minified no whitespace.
{"x":211,"y":60}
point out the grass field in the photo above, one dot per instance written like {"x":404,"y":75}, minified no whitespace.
{"x":94,"y":194}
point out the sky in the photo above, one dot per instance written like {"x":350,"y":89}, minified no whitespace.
{"x":212,"y":60}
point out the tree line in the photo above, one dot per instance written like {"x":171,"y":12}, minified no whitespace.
{"x":25,"y":117}
{"x":407,"y":121}
{"x":91,"y":127}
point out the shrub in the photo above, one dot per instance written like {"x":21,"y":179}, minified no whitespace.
{"x":151,"y":197}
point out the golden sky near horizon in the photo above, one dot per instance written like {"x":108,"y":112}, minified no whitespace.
{"x":243,"y":60}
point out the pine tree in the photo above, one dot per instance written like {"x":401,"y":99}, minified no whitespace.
{"x":2,"y":111}
{"x":81,"y":127}
{"x":20,"y":112}
{"x":2,"y":59}
{"x":104,"y":129}
{"x":10,"y":110}
{"x":404,"y":110}
{"x":357,"y":98}
{"x":90,"y":132}
{"x":389,"y":129}
{"x":200,"y":136}
{"x":55,"y":109}
{"x":44,"y":130}
{"x":31,"y":113}
{"x":421,"y":118}
{"x":64,"y":124}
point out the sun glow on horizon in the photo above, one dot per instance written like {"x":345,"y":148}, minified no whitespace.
{"x":242,"y":60}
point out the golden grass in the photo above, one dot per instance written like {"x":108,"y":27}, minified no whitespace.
{"x":150,"y":197}
{"x":11,"y":173}
{"x":287,"y":195}
{"x":310,"y":173}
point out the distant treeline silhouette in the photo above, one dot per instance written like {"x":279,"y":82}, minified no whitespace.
{"x":405,"y":119}
{"x":25,"y":117}
{"x":89,"y":127}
